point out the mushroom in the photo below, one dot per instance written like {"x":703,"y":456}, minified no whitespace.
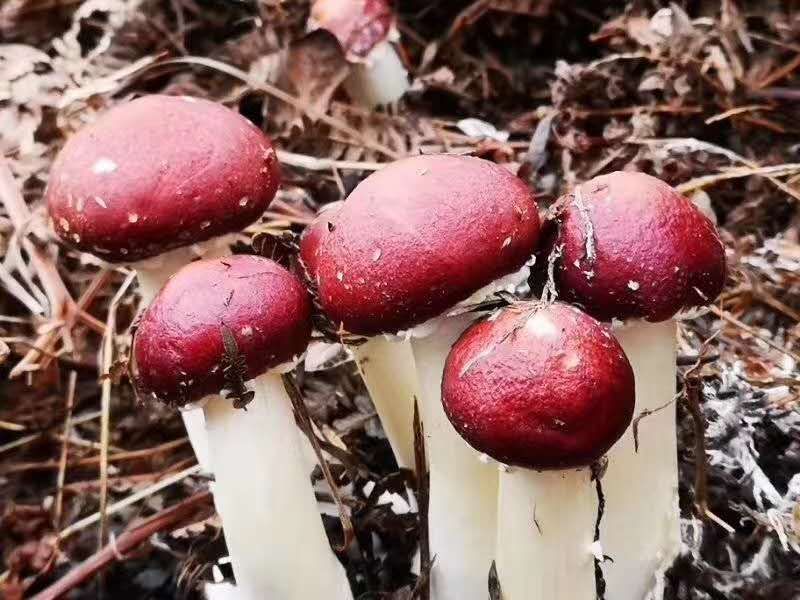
{"x":365,"y":29}
{"x":634,"y":249}
{"x":157,"y":181}
{"x":409,"y":244}
{"x":386,"y":365}
{"x":547,"y":390}
{"x":216,"y":325}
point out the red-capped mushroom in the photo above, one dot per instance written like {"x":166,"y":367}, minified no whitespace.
{"x":156,"y":181}
{"x":229,"y":325}
{"x":634,"y":249}
{"x":410,"y":243}
{"x":366,"y":32}
{"x":543,"y":387}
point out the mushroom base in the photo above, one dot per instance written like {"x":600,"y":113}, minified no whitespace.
{"x":380,"y":81}
{"x":387,"y":368}
{"x":545,"y":530}
{"x":264,"y":497}
{"x":640,"y":530}
{"x":462,"y":513}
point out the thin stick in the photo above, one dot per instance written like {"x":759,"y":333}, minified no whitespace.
{"x":283,"y":96}
{"x":743,"y":326}
{"x":105,"y":402}
{"x":312,"y":163}
{"x":62,"y":466}
{"x":301,"y":413}
{"x":423,"y":486}
{"x":165,"y":520}
{"x":29,"y":438}
{"x":94,"y":460}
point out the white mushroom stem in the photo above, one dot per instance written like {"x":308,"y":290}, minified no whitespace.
{"x":387,"y":368}
{"x":463,"y":488}
{"x":640,"y":530}
{"x":545,"y":531}
{"x":379,"y":81}
{"x":264,"y":497}
{"x":152,"y":274}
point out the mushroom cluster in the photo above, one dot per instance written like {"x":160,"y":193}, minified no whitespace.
{"x":157,"y":182}
{"x":522,"y":400}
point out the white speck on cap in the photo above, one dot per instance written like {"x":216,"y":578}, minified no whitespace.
{"x":540,"y":325}
{"x":104,"y":166}
{"x":633,"y":285}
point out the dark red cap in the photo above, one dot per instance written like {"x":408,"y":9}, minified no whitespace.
{"x":633,"y":247}
{"x":178,"y":345}
{"x":158,"y":173}
{"x":539,"y":386}
{"x":314,"y":234}
{"x":416,"y":238}
{"x":359,"y":25}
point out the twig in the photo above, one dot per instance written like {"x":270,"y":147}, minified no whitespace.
{"x":164,"y":520}
{"x":734,"y":321}
{"x":62,"y":466}
{"x":691,"y":394}
{"x":94,"y":460}
{"x":423,"y":488}
{"x":779,"y":73}
{"x":278,"y":93}
{"x":29,"y":438}
{"x":644,"y":414}
{"x":313,"y":163}
{"x":694,"y":145}
{"x":305,"y":424}
{"x":105,"y":402}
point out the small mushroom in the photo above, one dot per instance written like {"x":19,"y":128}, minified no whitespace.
{"x":366,"y":31}
{"x":156,"y":181}
{"x":652,"y":254}
{"x":410,"y":243}
{"x":232,"y":325}
{"x":546,"y":390}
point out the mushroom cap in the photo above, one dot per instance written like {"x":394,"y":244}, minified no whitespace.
{"x":649,"y":254}
{"x":416,"y":238}
{"x":314,"y":234}
{"x":539,"y":386}
{"x":359,"y":25}
{"x":158,"y":173}
{"x":178,"y":346}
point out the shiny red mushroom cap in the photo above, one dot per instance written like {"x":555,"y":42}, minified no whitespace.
{"x":158,"y":173}
{"x":179,"y":348}
{"x":358,"y":25}
{"x":314,"y":234}
{"x":633,"y":247}
{"x":539,"y":386}
{"x":416,"y":238}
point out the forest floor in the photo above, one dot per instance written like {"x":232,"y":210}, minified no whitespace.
{"x":704,"y":94}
